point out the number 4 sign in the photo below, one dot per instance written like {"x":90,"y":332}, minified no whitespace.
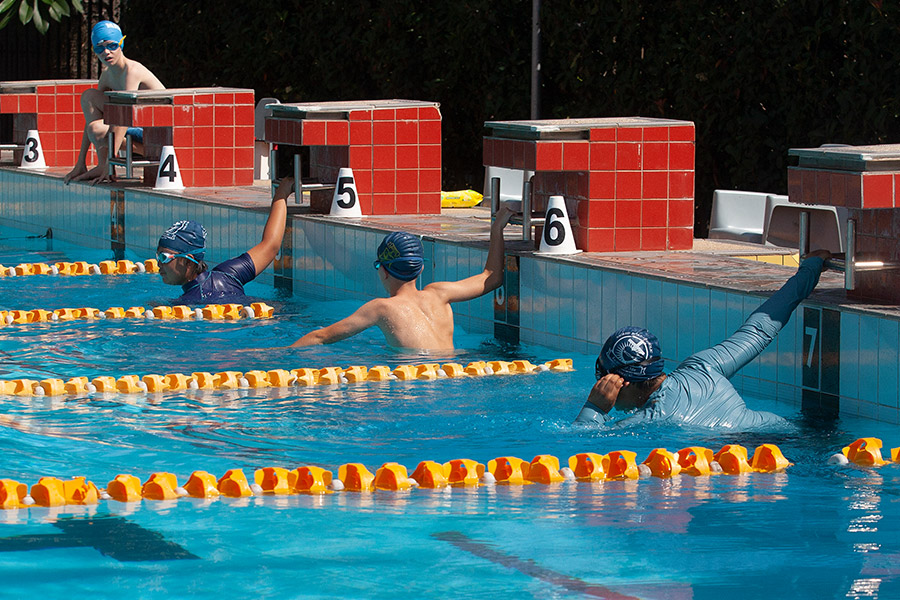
{"x":168,"y":177}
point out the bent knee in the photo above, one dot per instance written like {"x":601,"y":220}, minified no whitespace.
{"x":92,"y":104}
{"x":97,"y":131}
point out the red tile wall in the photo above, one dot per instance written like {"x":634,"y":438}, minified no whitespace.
{"x":851,"y":189}
{"x":871,"y":200}
{"x":877,"y":233}
{"x":632,"y":188}
{"x":395,"y":154}
{"x":212,"y":134}
{"x":55,"y":111}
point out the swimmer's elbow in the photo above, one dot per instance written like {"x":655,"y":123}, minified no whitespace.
{"x":313,"y":338}
{"x":493,"y":280}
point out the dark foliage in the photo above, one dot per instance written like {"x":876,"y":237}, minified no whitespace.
{"x":756,"y":77}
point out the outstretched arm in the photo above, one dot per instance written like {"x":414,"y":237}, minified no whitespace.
{"x":265,"y":252}
{"x":489,"y":279}
{"x":761,"y":327}
{"x":364,"y":317}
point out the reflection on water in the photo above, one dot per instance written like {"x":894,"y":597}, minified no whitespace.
{"x":815,"y":531}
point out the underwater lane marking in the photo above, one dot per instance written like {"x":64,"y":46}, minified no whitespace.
{"x":114,"y":537}
{"x":528,"y":567}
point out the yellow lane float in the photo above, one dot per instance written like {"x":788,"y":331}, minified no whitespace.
{"x":216,"y":312}
{"x":255,"y":379}
{"x":393,"y":476}
{"x":106,"y":267}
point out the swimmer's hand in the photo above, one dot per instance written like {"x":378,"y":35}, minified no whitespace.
{"x":285,"y":189}
{"x":76,"y":171}
{"x":96,"y":175}
{"x":502,"y":216}
{"x":605,"y":392}
{"x":823,"y":254}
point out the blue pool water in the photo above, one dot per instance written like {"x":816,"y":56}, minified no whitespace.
{"x":815,"y":531}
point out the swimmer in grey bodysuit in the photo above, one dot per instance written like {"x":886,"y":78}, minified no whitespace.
{"x":630,"y":374}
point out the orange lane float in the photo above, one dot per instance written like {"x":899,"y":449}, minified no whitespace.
{"x":254,"y":379}
{"x":219,"y":312}
{"x":429,"y":474}
{"x":106,"y":267}
{"x":393,"y":476}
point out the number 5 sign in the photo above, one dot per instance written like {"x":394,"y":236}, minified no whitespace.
{"x":345,"y":202}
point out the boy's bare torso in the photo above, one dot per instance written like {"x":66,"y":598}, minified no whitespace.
{"x":422,"y":319}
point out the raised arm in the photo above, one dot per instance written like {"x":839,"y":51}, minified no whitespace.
{"x":265,"y":252}
{"x":365,"y":316}
{"x":761,"y":327}
{"x":490,"y":278}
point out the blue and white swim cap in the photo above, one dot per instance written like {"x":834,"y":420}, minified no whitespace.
{"x":401,"y":254}
{"x":185,"y":237}
{"x":632,"y":353}
{"x":106,"y":31}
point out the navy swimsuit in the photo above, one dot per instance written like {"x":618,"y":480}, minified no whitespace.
{"x":223,"y":285}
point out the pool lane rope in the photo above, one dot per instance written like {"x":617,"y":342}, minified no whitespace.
{"x":864,"y":452}
{"x":274,"y":378}
{"x":210,"y":312}
{"x":393,"y":477}
{"x":106,"y":267}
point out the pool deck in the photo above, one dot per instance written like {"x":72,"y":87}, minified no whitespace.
{"x":710,"y":263}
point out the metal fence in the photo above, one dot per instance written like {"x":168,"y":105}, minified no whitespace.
{"x":64,"y":52}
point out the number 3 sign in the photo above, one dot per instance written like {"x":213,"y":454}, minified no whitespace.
{"x":33,"y":156}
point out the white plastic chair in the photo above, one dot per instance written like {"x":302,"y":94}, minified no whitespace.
{"x":827,"y":226}
{"x":512,"y":182}
{"x":261,"y":168}
{"x":738,"y":216}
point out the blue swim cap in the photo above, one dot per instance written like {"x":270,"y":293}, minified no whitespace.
{"x":185,"y":237}
{"x":401,"y":254}
{"x":106,"y":31}
{"x":633,"y":353}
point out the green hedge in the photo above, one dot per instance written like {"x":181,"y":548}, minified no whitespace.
{"x":757,"y":78}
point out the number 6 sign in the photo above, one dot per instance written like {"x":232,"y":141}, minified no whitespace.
{"x":557,"y":237}
{"x":345,"y":202}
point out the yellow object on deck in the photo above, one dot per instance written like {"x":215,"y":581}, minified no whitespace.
{"x":460,"y":199}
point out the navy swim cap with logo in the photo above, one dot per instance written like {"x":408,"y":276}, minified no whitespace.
{"x":401,"y":254}
{"x":185,"y":237}
{"x":632,"y":353}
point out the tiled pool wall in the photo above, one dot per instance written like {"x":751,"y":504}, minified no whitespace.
{"x":826,"y":359}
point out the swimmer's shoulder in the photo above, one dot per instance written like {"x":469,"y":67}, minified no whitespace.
{"x":138,"y":74}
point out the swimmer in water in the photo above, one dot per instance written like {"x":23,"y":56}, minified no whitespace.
{"x":409,"y":317}
{"x":182,"y":247}
{"x":630,"y":375}
{"x":119,"y":73}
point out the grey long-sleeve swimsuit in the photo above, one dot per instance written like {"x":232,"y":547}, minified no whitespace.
{"x":698,"y":391}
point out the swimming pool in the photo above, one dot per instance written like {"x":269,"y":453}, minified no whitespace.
{"x":814,"y":531}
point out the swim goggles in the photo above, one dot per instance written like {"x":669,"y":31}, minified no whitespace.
{"x":165,"y":258}
{"x":108,"y":45}
{"x":600,"y":371}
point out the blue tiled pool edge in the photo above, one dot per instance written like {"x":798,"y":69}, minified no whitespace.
{"x":561,"y":304}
